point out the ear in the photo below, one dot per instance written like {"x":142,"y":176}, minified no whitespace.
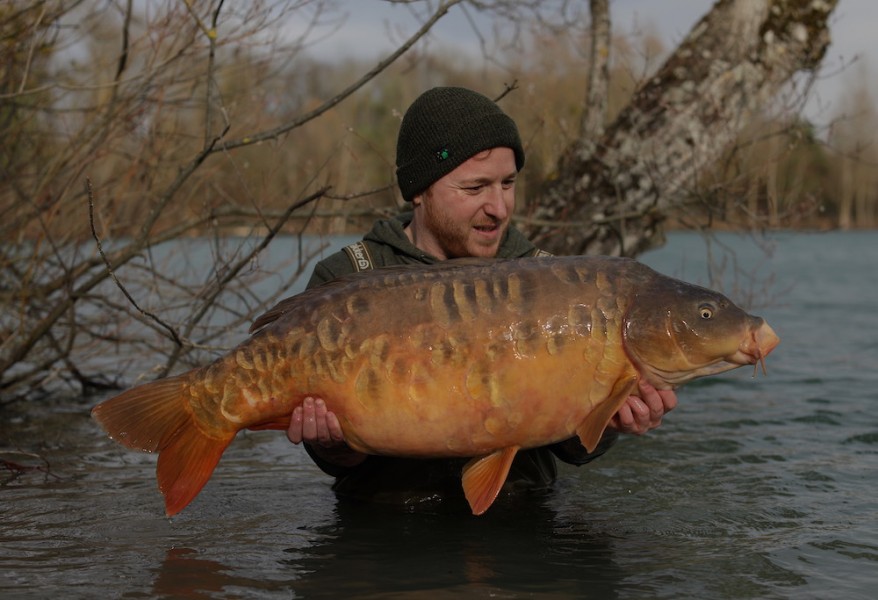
{"x":418,"y":199}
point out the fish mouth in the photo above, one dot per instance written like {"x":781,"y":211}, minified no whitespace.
{"x":754,"y":350}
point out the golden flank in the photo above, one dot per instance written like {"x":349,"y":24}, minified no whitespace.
{"x":467,"y":358}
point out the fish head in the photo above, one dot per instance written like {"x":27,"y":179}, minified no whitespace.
{"x":675,"y":332}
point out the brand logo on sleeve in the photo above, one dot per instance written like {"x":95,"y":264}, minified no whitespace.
{"x":359,"y":255}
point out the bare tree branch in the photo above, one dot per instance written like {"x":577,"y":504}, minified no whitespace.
{"x":112,"y":274}
{"x":440,"y":12}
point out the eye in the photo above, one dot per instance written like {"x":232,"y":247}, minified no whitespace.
{"x":706,"y":311}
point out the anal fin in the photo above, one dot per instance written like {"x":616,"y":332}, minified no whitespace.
{"x":484,"y":477}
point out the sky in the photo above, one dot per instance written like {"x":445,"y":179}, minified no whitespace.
{"x":853,"y":25}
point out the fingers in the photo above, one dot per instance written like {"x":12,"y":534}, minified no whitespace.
{"x":294,"y":431}
{"x":329,"y":431}
{"x":641,"y":414}
{"x":660,"y":402}
{"x":633,"y":417}
{"x":313,"y":423}
{"x":623,"y":420}
{"x":309,"y":420}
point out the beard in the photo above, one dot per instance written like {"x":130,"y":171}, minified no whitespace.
{"x":463,"y":239}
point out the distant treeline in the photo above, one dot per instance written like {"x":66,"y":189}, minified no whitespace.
{"x":131,"y":136}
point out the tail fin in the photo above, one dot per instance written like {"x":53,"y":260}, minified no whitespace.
{"x":155,"y":417}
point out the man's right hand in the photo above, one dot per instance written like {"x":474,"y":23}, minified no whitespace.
{"x":312,"y":423}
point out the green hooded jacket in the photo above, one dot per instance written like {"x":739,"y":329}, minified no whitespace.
{"x":408,"y":481}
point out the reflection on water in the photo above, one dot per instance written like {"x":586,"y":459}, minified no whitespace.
{"x":366,"y":552}
{"x":184,"y":575}
{"x":512,"y":552}
{"x":754,"y":488}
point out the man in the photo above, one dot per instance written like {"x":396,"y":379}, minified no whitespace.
{"x":458,"y":156}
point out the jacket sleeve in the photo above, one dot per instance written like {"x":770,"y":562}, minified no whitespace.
{"x":328,"y":467}
{"x":573,"y":452}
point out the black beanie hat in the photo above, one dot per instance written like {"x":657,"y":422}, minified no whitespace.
{"x":445,"y":127}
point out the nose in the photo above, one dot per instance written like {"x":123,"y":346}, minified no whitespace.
{"x":498,"y":201}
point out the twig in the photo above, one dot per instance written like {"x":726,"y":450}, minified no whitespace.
{"x":232,"y":272}
{"x":16,"y":468}
{"x":507,"y":87}
{"x":440,"y":12}
{"x":30,"y":51}
{"x":126,"y":32}
{"x":91,"y":221}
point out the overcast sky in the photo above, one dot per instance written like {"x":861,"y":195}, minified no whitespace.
{"x":853,"y":26}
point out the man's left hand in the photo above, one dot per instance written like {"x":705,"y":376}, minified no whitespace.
{"x":641,"y":413}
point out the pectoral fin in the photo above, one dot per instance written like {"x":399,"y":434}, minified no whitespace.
{"x":592,"y":428}
{"x":483,"y":478}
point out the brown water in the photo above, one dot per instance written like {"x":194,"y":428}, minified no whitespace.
{"x":753,"y":488}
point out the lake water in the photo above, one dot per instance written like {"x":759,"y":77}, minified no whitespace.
{"x":755,"y":487}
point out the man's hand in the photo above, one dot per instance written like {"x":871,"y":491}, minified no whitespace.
{"x":640,"y":414}
{"x":312,"y":423}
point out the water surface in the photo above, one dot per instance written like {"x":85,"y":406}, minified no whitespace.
{"x":755,"y":487}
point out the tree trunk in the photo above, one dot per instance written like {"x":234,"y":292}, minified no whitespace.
{"x":610,"y":197}
{"x":591,"y":125}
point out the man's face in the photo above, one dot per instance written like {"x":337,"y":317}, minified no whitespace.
{"x":467,"y":212}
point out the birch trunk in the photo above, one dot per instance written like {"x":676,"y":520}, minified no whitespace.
{"x":611,"y":196}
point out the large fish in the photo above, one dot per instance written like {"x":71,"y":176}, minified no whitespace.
{"x":468,"y":358}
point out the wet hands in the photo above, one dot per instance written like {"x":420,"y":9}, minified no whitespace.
{"x":317,"y":426}
{"x":641,"y":414}
{"x":313,"y":423}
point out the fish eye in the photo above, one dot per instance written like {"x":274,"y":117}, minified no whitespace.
{"x":706,"y":311}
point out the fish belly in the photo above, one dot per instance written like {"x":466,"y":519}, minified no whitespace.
{"x":472,"y":408}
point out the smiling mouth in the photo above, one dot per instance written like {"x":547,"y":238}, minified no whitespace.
{"x":487,"y":227}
